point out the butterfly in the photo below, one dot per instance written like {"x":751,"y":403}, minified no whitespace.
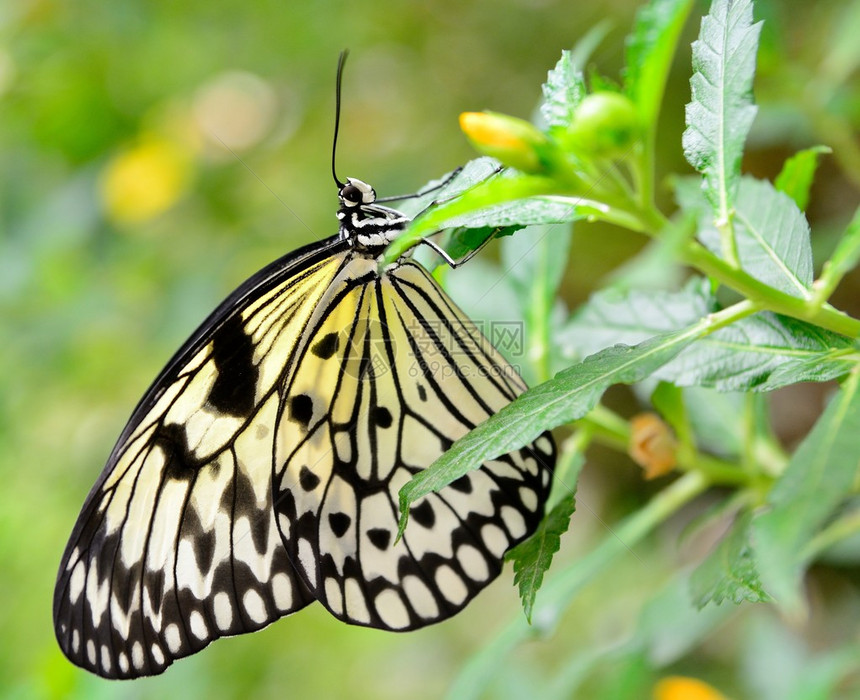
{"x":260,"y":471}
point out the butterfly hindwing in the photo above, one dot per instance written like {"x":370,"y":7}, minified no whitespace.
{"x":176,"y":544}
{"x":396,"y":375}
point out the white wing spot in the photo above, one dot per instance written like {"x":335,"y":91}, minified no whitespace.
{"x":306,"y":557}
{"x":473,"y":563}
{"x":391,"y":609}
{"x":494,"y":539}
{"x":91,"y":652}
{"x":333,"y":596}
{"x":528,"y":498}
{"x":76,"y":641}
{"x":106,"y":663}
{"x":421,"y":597}
{"x":531,"y":465}
{"x":137,"y":655}
{"x":173,"y":638}
{"x":355,"y":606}
{"x":284,"y":525}
{"x":544,"y":445}
{"x":157,"y":654}
{"x":451,"y":585}
{"x":282,"y":591}
{"x":198,"y":625}
{"x":222,"y":606}
{"x":76,"y":582}
{"x":122,"y":659}
{"x":254,"y":606}
{"x":514,"y":521}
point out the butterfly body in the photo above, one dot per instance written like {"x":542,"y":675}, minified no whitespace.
{"x":261,"y":470}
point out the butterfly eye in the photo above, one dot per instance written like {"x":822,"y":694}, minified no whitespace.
{"x":350,"y":195}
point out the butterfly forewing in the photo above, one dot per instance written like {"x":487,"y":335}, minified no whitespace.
{"x":176,"y":544}
{"x":406,"y":374}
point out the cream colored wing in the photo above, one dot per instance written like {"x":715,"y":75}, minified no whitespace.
{"x":397,"y":373}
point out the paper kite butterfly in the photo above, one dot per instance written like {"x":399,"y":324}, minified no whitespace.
{"x":261,"y":470}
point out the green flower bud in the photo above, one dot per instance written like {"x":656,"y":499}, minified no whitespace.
{"x":605,"y":124}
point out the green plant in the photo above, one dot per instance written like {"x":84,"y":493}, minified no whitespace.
{"x":752,"y":317}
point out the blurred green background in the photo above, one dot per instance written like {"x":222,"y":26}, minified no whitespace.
{"x":154,"y":154}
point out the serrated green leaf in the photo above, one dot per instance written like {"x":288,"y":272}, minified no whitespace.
{"x":533,"y":557}
{"x":650,"y":49}
{"x":761,"y":352}
{"x":819,"y":476}
{"x":795,"y":178}
{"x":618,"y":316}
{"x":772,"y":237}
{"x":567,"y":396}
{"x":562,"y":92}
{"x":721,"y":111}
{"x":728,"y":572}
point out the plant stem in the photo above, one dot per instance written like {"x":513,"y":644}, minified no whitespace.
{"x":765,"y":296}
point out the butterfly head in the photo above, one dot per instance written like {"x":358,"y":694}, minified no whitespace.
{"x":355,"y":192}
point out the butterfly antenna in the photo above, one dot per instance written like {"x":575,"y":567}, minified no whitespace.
{"x":340,"y":63}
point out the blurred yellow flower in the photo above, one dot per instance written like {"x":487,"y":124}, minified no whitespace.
{"x":683,"y":688}
{"x":145,"y":180}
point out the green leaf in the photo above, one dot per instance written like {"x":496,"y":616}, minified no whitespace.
{"x":762,"y":352}
{"x":795,"y":178}
{"x":459,"y":242}
{"x":721,"y":111}
{"x":618,"y":316}
{"x":533,"y":557}
{"x":567,"y":396}
{"x":819,"y":476}
{"x":772,"y":238}
{"x":562,"y":92}
{"x":728,"y":572}
{"x":650,"y":49}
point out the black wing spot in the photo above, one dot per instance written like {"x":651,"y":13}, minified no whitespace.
{"x":234,"y":390}
{"x":423,"y":514}
{"x":379,"y":537}
{"x":179,"y":462}
{"x":326,"y":347}
{"x":422,"y":392}
{"x":463,"y":484}
{"x":308,"y":479}
{"x":339,"y":523}
{"x":382,"y":417}
{"x":302,"y":409}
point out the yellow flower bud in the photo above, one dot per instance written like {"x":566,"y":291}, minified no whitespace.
{"x":515,"y":142}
